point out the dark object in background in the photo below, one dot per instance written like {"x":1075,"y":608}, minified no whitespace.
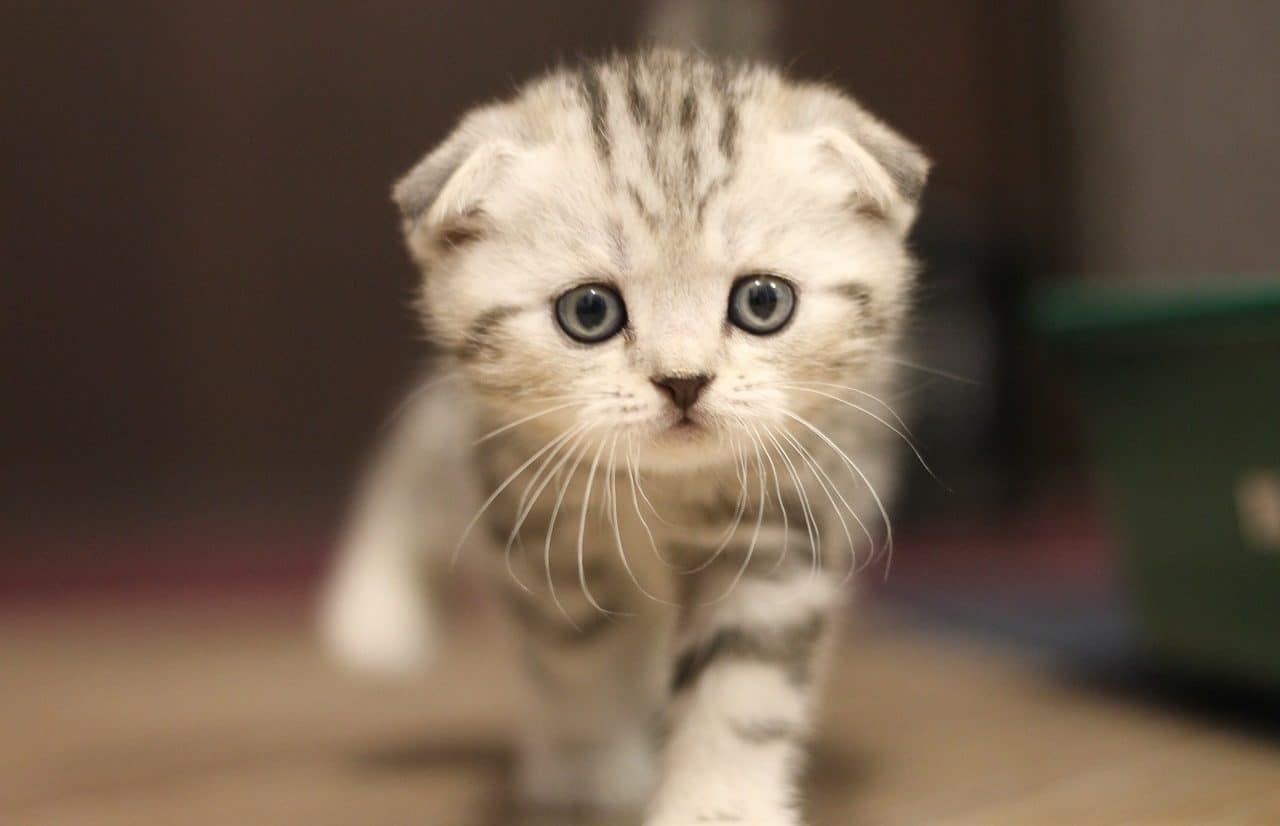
{"x":960,"y":386}
{"x":1180,"y":391}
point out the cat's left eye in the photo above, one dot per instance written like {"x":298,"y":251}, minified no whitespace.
{"x":591,"y":313}
{"x":761,"y":304}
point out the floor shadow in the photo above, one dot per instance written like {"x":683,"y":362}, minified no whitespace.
{"x":493,"y":759}
{"x":497,"y":758}
{"x":1212,"y":700}
{"x":836,"y":768}
{"x":834,"y":771}
{"x":835,"y":780}
{"x":497,"y":761}
{"x":1091,"y":645}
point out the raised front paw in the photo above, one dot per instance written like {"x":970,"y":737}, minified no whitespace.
{"x":377,"y":621}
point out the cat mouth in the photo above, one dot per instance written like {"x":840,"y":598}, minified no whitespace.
{"x":685,"y":428}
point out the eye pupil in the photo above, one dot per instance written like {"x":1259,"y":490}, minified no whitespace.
{"x":591,"y":309}
{"x":762,"y":299}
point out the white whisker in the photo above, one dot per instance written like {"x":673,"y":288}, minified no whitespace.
{"x":804,"y":383}
{"x":582,"y":531}
{"x":867,"y":412}
{"x":551,"y":525}
{"x":504,"y":428}
{"x":739,"y":510}
{"x":527,"y":501}
{"x":884,"y":513}
{"x":806,"y":509}
{"x":617,"y":530}
{"x":782,"y":506}
{"x":634,"y":475}
{"x":506,"y":482}
{"x":832,"y":491}
{"x":413,"y":395}
{"x":755,"y":535}
{"x":931,"y":370}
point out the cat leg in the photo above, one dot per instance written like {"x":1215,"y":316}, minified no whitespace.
{"x":741,"y":700}
{"x":591,"y":708}
{"x":377,"y":614}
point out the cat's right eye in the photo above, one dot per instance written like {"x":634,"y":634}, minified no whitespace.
{"x":591,"y":313}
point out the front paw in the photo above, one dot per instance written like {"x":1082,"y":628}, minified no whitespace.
{"x":376,"y":620}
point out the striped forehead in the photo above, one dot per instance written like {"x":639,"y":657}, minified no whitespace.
{"x":665,"y":134}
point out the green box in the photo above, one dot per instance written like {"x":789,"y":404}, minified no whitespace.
{"x":1180,"y":395}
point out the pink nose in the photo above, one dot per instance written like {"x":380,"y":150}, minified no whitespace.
{"x":683,"y":390}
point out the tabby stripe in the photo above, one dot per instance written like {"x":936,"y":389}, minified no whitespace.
{"x":555,"y":628}
{"x":597,"y":102}
{"x":729,"y":129}
{"x":789,"y":648}
{"x":481,"y":337}
{"x":871,"y":321}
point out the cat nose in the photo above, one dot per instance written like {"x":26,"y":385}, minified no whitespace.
{"x":683,"y":390}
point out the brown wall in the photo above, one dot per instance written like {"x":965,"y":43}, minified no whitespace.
{"x":205,"y":292}
{"x":1178,"y":117}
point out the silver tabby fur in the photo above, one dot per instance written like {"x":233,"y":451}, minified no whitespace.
{"x":672,"y":588}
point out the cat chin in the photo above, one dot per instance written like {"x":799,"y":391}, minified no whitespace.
{"x":680,"y":451}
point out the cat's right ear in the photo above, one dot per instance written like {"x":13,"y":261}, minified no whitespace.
{"x":441,"y":198}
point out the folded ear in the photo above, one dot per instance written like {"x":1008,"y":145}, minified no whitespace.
{"x":441,"y":198}
{"x":886,"y":171}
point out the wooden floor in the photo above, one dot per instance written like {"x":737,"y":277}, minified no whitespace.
{"x":228,"y":715}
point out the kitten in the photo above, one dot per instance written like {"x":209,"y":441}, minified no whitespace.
{"x":669,"y":291}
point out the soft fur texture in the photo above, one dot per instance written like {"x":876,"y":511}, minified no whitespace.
{"x":672,"y":586}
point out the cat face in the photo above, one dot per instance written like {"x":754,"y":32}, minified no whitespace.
{"x":662,"y":252}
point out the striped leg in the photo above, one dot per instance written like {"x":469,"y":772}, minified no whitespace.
{"x":741,"y":697}
{"x":589,"y":744}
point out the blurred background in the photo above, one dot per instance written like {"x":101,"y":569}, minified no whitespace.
{"x":207,"y":306}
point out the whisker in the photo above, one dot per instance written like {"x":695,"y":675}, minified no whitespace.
{"x":806,"y":509}
{"x":832,"y":490}
{"x":504,"y":428}
{"x":654,"y":510}
{"x":867,"y":412}
{"x":755,"y":535}
{"x":933,"y":371}
{"x":739,"y":510}
{"x":551,"y":525}
{"x":821,"y":478}
{"x":412,"y":396}
{"x":884,"y":514}
{"x":506,"y":482}
{"x":797,"y":385}
{"x":634,"y":475}
{"x":782,"y":507}
{"x":527,"y":502}
{"x":582,"y":530}
{"x":617,"y":530}
{"x":915,"y":389}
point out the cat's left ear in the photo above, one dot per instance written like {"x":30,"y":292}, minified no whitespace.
{"x":885,"y":172}
{"x":441,"y":198}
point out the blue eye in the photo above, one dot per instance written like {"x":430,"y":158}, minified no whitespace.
{"x":591,"y":313}
{"x":761,"y":304}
